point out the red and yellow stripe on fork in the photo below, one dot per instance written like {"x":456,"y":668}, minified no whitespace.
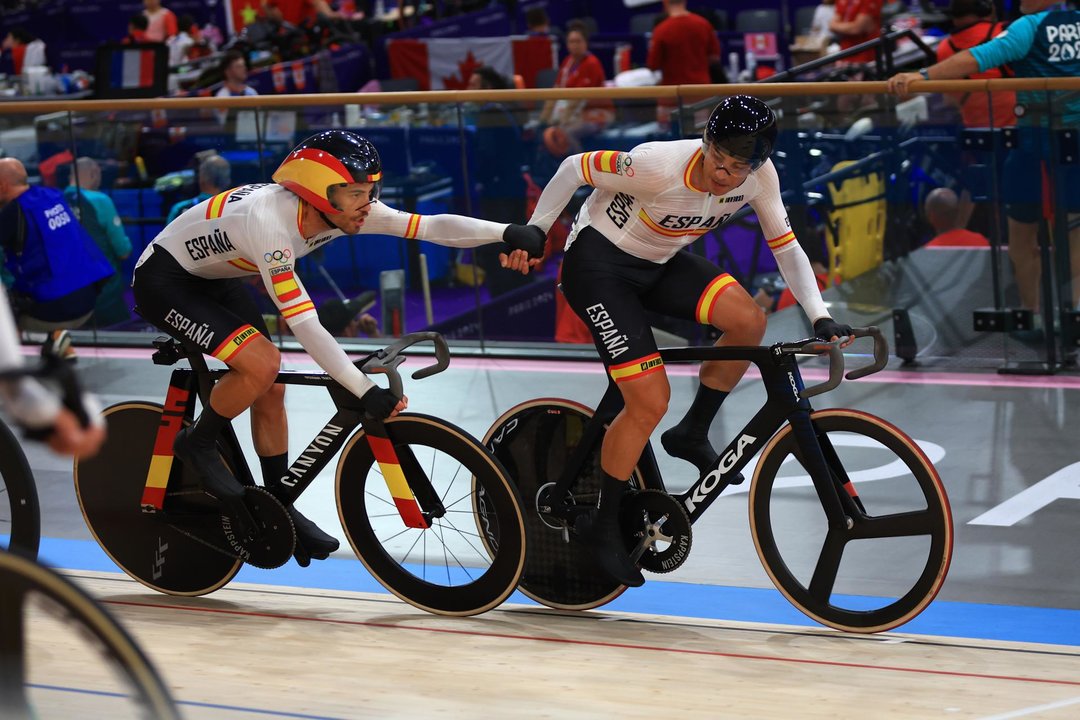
{"x":395,"y":481}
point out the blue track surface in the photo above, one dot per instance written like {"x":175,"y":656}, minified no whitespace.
{"x":951,"y":619}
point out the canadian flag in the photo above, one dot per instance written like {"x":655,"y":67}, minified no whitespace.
{"x":447,"y":63}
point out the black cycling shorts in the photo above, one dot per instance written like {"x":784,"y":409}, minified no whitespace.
{"x":215,"y":317}
{"x":611,"y":291}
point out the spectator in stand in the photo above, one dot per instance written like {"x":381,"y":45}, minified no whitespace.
{"x":973,"y":24}
{"x":26,"y":50}
{"x":273,"y":31}
{"x":215,"y":176}
{"x":682,"y":48}
{"x":942,"y":209}
{"x":570,"y":121}
{"x":97,"y":214}
{"x":162,"y":21}
{"x":137,"y":25}
{"x":538,"y":23}
{"x":183,"y":41}
{"x":857,"y":21}
{"x":55,"y":268}
{"x":234,"y":71}
{"x":349,"y":318}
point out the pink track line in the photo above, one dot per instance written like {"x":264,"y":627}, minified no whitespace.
{"x":597,"y":643}
{"x":299,"y":360}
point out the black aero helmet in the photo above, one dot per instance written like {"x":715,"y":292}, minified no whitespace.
{"x":743,"y":127}
{"x":332,"y":157}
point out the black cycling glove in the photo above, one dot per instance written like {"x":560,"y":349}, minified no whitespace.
{"x":379,"y":402}
{"x":826,"y":328}
{"x":529,"y":238}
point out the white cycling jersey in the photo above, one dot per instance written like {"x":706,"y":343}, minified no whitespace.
{"x":256,"y":230}
{"x":646,"y":204}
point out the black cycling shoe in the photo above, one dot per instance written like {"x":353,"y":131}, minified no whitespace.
{"x":215,"y":478}
{"x":696,"y":451}
{"x":216,"y":481}
{"x":603,"y":537}
{"x":312,"y":543}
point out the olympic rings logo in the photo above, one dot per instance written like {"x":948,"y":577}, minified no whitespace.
{"x":278,"y":255}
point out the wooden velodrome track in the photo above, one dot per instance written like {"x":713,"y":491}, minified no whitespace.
{"x":259,"y":651}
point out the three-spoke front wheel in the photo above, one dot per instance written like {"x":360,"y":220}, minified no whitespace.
{"x":471,"y":556}
{"x":885,"y":557}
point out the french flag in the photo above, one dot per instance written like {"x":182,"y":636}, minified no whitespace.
{"x":132,"y":69}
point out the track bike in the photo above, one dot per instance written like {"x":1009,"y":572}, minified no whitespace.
{"x":836,"y":495}
{"x":31,"y":594}
{"x":429,"y":512}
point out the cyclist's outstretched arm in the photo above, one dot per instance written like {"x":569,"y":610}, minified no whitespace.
{"x":458,"y":231}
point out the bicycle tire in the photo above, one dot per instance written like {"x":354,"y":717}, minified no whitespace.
{"x":376,"y":535}
{"x":910,"y":514}
{"x":109,"y":487}
{"x":20,"y":579}
{"x":20,"y":513}
{"x":559,"y":574}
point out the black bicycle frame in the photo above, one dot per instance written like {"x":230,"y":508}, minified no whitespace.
{"x":786,"y":400}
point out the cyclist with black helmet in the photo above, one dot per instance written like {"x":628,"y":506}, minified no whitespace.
{"x":623,"y":259}
{"x":187,"y":282}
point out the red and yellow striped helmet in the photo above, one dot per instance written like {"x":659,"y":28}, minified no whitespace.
{"x":332,"y":157}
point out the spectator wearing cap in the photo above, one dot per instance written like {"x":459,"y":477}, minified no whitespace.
{"x":349,"y":318}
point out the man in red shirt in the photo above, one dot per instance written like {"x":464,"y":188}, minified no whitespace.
{"x":973,"y":24}
{"x":682,"y":47}
{"x":856,"y":21}
{"x":943,"y":213}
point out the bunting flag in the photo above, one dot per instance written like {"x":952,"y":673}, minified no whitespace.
{"x":447,"y":63}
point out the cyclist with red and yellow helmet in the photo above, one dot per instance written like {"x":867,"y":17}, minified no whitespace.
{"x":187,"y":282}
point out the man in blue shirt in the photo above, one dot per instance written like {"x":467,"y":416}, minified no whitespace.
{"x":55,"y":268}
{"x":97,"y":214}
{"x":1044,"y":43}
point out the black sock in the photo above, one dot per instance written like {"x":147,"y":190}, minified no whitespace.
{"x":207,"y":428}
{"x":611,"y":492}
{"x":274,"y":468}
{"x":698,"y":419}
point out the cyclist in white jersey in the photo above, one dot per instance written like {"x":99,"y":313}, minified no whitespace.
{"x":40,"y":412}
{"x":187,"y":283}
{"x":623,"y":259}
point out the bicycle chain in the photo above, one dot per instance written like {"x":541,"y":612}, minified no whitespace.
{"x":257,"y":559}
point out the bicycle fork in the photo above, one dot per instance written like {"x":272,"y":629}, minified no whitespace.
{"x":408,"y":483}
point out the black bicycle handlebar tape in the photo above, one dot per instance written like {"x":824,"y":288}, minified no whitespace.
{"x":386,"y":361}
{"x":529,"y":238}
